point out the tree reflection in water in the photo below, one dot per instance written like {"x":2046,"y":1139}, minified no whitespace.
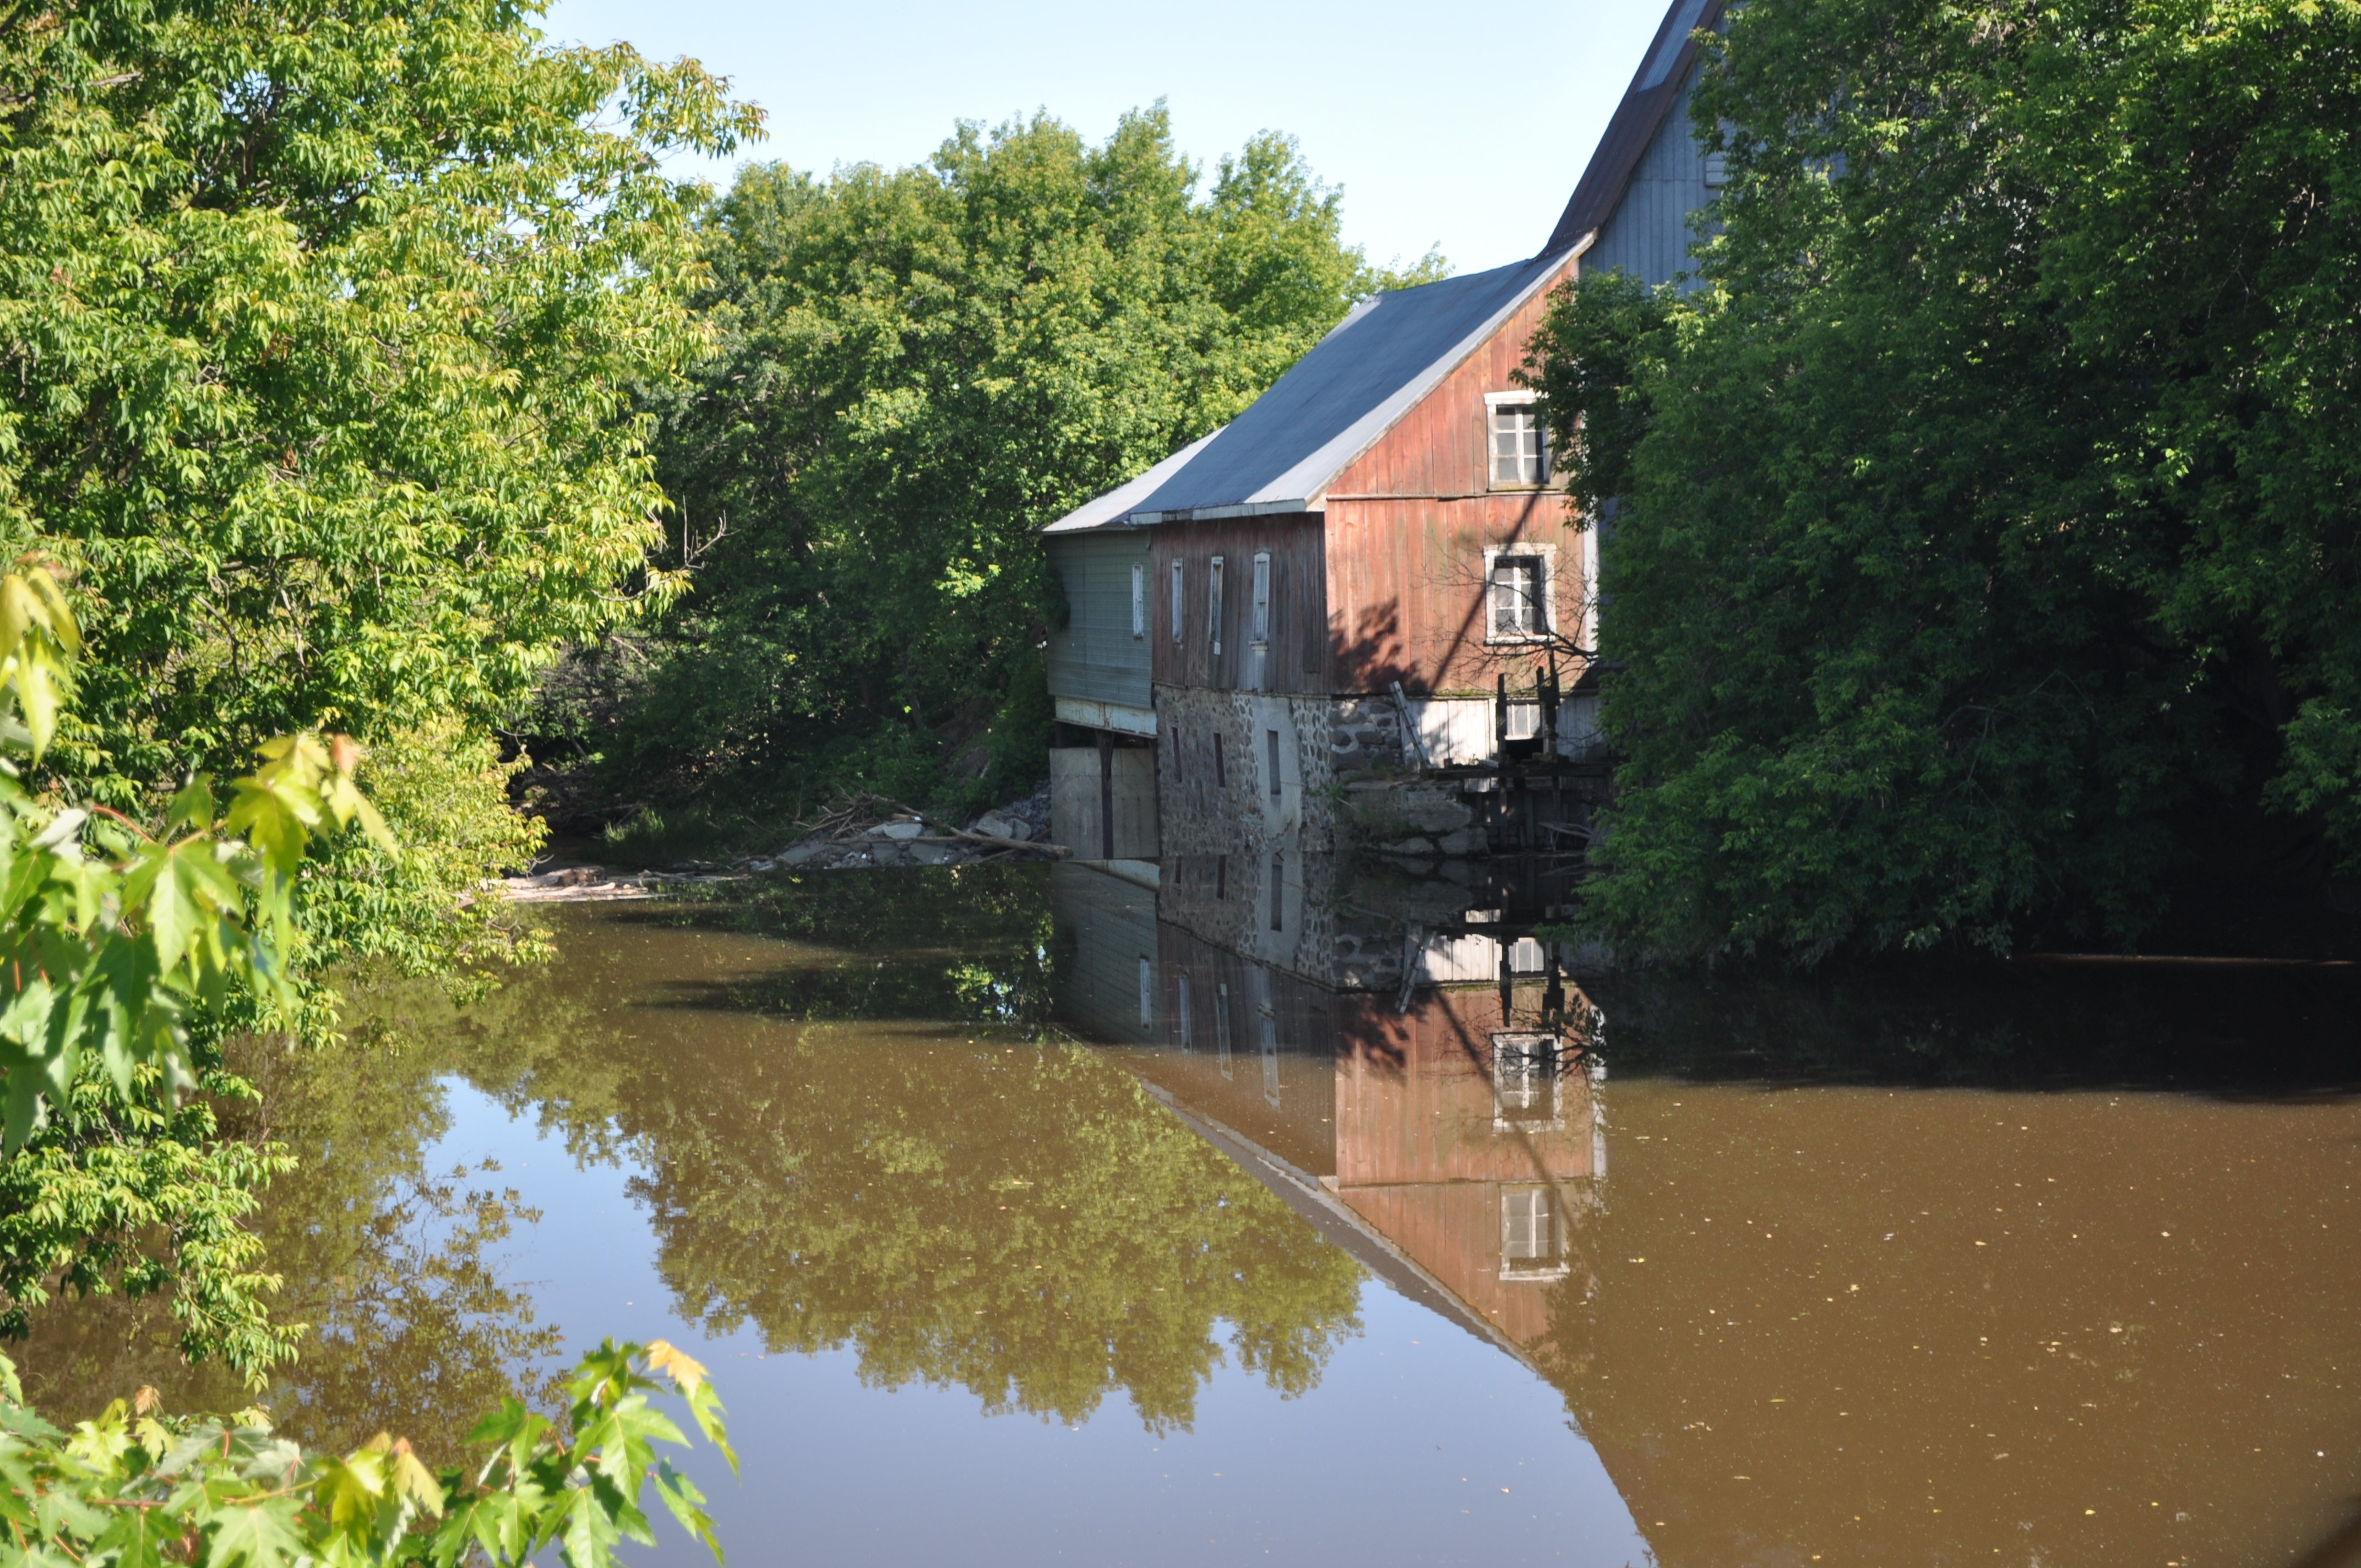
{"x":961,"y":1200}
{"x":961,"y":1203}
{"x":395,"y":1265}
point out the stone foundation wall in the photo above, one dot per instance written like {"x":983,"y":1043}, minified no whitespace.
{"x":1365,"y":734}
{"x":1236,"y":806}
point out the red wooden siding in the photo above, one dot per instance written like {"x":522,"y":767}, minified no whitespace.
{"x":1407,"y":526}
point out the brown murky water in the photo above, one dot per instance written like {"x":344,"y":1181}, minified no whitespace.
{"x":1374,"y":1238}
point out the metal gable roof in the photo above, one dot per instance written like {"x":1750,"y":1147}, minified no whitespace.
{"x":1655,"y":86}
{"x":1388,"y":352}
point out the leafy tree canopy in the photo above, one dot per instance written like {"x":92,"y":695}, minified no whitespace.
{"x":319,"y":322}
{"x":921,"y":366}
{"x":1986,"y":541}
{"x":320,"y":325}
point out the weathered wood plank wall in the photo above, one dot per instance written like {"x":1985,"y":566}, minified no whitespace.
{"x":1296,"y":657}
{"x":1094,"y":656}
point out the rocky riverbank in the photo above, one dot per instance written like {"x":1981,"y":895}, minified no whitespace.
{"x":862,"y":833}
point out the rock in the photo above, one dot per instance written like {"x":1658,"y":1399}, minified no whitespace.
{"x":995,"y":824}
{"x":805,"y":853}
{"x":928,"y":854}
{"x":758,"y":865}
{"x":1466,"y":841}
{"x":1407,"y":847}
{"x":900,"y":827}
{"x":891,"y":852}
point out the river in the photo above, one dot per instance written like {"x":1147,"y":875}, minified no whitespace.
{"x":1163,"y":1215}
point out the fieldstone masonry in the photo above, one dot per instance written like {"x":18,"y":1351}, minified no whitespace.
{"x":1366,"y":733}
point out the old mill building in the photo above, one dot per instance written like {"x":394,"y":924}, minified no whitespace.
{"x":1367,"y":575}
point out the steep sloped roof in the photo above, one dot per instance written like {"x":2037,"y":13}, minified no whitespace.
{"x":1655,"y":86}
{"x":1366,"y":374}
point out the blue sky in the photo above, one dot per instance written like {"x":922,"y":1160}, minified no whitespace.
{"x":1465,"y":129}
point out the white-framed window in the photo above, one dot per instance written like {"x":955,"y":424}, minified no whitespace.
{"x":1270,"y":761}
{"x":1214,"y":607}
{"x":1520,"y":593}
{"x":1179,"y":600}
{"x":1278,"y":889}
{"x":1532,"y":1234}
{"x":1139,"y":598}
{"x":1518,"y":441}
{"x":1261,"y":597}
{"x":1528,"y":1091}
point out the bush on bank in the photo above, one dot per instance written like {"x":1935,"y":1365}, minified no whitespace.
{"x":138,"y":1487}
{"x":1983,"y":538}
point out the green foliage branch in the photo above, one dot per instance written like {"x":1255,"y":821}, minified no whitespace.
{"x":138,"y":1488}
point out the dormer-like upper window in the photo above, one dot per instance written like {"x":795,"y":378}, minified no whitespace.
{"x":1519,"y":441}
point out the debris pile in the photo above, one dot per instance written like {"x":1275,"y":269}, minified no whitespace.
{"x":872,"y":830}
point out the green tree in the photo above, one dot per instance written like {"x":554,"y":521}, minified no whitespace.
{"x":322,"y":320}
{"x":919,"y":367}
{"x":1982,"y":544}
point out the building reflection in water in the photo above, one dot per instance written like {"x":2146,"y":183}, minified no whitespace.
{"x":2039,"y":1264}
{"x":1401,"y":1059}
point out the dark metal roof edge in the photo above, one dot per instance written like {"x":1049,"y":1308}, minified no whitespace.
{"x":1633,"y":126}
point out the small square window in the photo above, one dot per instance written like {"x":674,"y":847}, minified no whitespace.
{"x":1532,"y":1235}
{"x":1527,"y":1089}
{"x":1520,"y":446}
{"x":1519,"y":591}
{"x":1527,"y":1234}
